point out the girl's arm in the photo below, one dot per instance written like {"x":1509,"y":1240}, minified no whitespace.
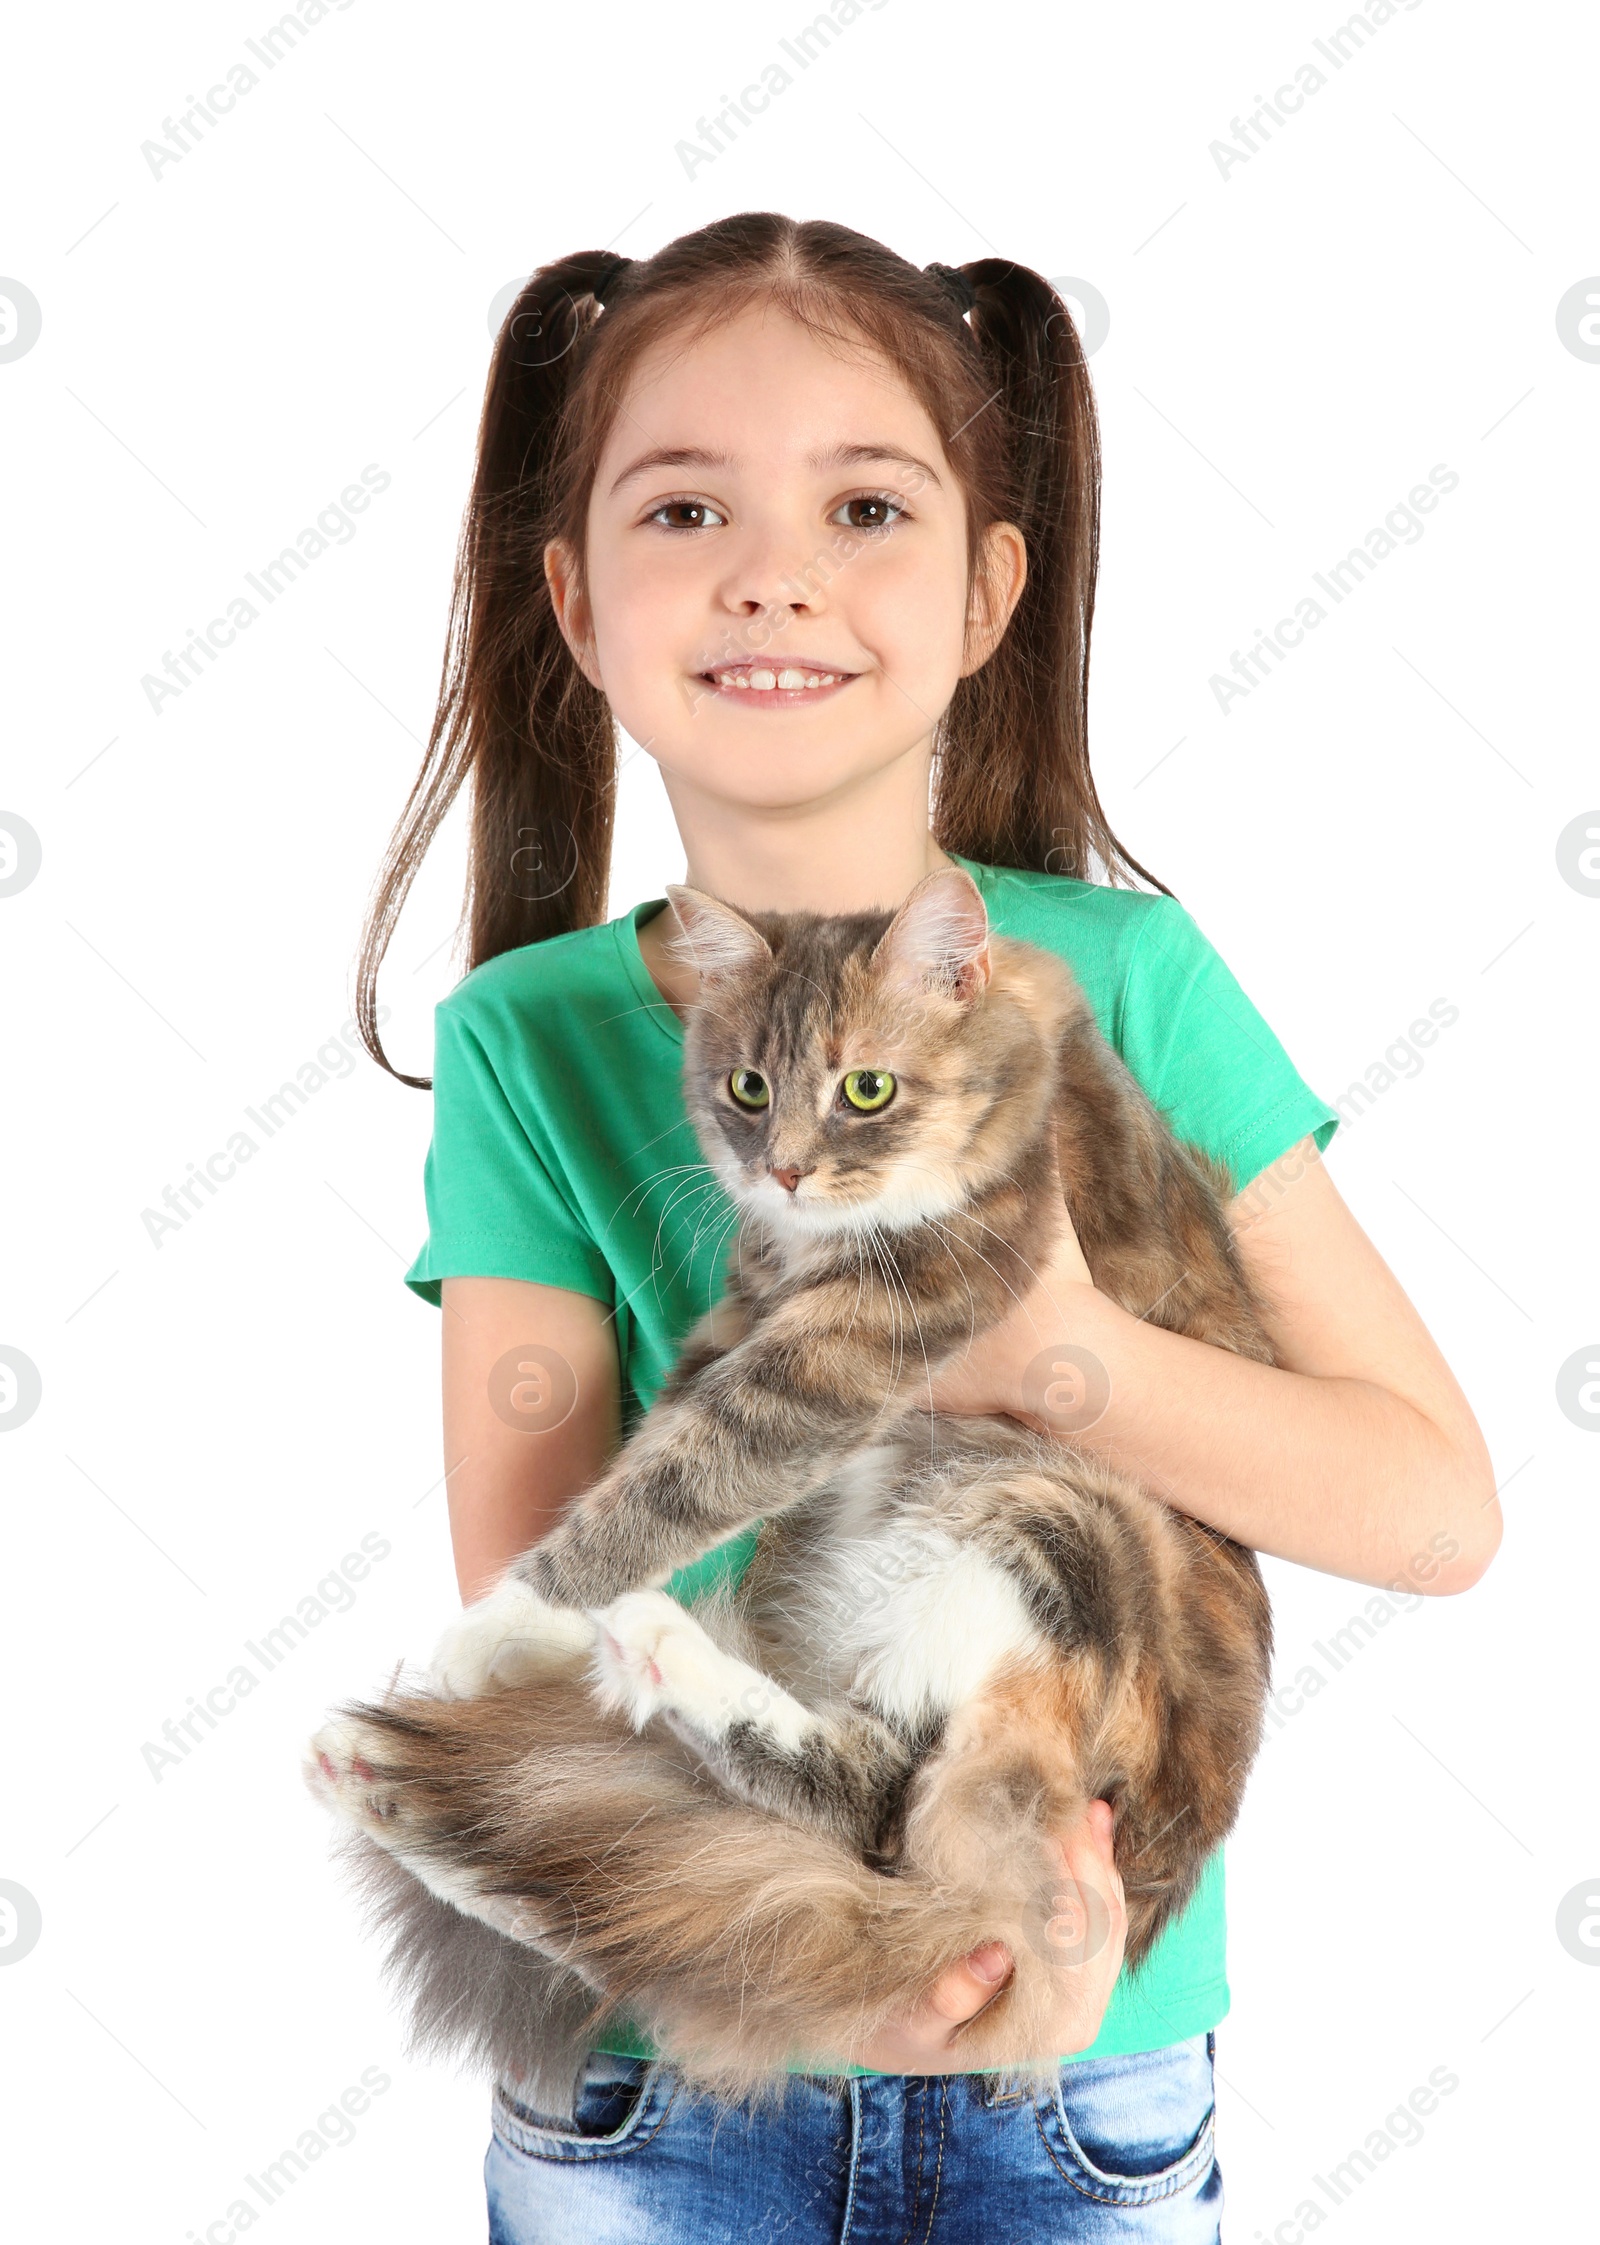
{"x":508,"y":1485}
{"x":1360,"y":1456}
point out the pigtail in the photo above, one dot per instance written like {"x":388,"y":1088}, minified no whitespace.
{"x":514,"y":709}
{"x":1013,"y":783}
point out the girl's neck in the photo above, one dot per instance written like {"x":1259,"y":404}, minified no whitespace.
{"x":849,"y":855}
{"x":862,"y":849}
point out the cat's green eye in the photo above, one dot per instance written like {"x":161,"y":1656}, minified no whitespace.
{"x":749,"y":1088}
{"x":868,"y":1089}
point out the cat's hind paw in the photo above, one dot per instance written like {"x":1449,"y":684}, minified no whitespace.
{"x":507,"y":1638}
{"x":341,"y":1767}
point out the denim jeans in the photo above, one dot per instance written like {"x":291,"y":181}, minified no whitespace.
{"x":1114,"y":2148}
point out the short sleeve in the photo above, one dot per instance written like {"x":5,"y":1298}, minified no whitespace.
{"x":494,"y":1207}
{"x":1205,"y":1055}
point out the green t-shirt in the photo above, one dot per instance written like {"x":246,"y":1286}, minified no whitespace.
{"x":562,"y":1154}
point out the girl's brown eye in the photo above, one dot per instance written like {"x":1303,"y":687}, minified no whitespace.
{"x":875,"y":511}
{"x":689,"y":514}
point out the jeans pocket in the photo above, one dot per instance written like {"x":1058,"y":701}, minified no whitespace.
{"x":620,"y":2106}
{"x":1133,"y":2130}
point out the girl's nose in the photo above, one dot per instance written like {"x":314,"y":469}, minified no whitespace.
{"x":779,"y":576}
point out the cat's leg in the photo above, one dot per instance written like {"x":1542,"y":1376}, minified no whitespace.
{"x":507,"y":1638}
{"x":747,"y":1437}
{"x":844,"y":1774}
{"x":341,"y":1768}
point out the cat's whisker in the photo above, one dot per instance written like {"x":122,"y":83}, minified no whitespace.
{"x":672,"y":1169}
{"x":951,"y":1244}
{"x":657,"y":1259}
{"x":683,"y":1123}
{"x":916,"y":1321}
{"x":968,"y":1217}
{"x":680,"y":1191}
{"x":885,"y":1266}
{"x":972,"y":1300}
{"x":711,"y":1276}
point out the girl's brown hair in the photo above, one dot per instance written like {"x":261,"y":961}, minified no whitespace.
{"x":1012,"y":783}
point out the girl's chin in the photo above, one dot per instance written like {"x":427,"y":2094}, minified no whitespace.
{"x":802,"y":787}
{"x":729,"y":763}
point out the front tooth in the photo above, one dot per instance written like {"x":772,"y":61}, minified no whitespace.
{"x":763,"y":681}
{"x":791,"y":678}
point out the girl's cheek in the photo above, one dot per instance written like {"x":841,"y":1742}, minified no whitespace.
{"x":908,"y":612}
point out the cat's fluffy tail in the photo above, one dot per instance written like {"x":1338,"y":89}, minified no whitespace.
{"x":469,"y":1992}
{"x":741,"y":1943}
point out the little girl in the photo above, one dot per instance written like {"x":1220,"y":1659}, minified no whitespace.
{"x":819,"y":531}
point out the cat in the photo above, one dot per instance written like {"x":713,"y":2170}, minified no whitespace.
{"x":762,"y":1828}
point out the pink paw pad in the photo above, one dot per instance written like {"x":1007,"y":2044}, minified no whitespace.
{"x":649,"y":1669}
{"x":358,"y":1768}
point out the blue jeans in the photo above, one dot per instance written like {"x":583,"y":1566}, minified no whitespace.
{"x":1114,"y":2148}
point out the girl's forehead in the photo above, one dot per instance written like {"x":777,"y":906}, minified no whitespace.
{"x":760,"y":384}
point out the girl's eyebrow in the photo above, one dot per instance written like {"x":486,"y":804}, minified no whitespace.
{"x":838,"y":456}
{"x":856,"y":455}
{"x":672,"y":456}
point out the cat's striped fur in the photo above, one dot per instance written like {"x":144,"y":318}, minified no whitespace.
{"x":769,"y":1825}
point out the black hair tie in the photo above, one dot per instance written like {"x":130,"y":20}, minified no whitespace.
{"x":606,"y":278}
{"x":956,"y":282}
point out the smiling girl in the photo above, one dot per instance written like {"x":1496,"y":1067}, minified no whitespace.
{"x":818,"y":531}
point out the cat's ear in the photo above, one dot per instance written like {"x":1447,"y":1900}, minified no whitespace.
{"x":939,"y":938}
{"x":712,"y":937}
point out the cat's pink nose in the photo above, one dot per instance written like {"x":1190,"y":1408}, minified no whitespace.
{"x":788,"y":1178}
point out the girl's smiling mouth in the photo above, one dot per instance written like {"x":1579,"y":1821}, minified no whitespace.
{"x":770,"y":685}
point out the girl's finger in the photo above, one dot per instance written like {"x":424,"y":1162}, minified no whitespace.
{"x":966,"y":1987}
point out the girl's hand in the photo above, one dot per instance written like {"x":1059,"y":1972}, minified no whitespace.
{"x":990,"y":1375}
{"x":921,"y":2042}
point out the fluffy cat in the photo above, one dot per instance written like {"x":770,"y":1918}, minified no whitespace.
{"x":763,"y":1828}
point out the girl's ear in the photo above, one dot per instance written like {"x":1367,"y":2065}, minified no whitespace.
{"x":562,"y":575}
{"x":939,"y":938}
{"x":713,"y":937}
{"x":997,"y":583}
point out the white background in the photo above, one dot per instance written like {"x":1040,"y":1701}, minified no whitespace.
{"x":1291,"y":348}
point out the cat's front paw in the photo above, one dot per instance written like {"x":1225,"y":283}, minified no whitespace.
{"x":508,"y":1638}
{"x":653,"y":1658}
